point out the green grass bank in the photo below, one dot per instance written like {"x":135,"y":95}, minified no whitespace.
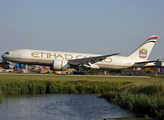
{"x":59,"y":84}
{"x":146,"y":97}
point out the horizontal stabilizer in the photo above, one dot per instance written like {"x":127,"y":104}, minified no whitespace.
{"x":91,"y":60}
{"x":145,"y":62}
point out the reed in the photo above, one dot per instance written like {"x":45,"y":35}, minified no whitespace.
{"x":81,"y":87}
{"x":59,"y":84}
{"x":65,"y":84}
{"x":23,"y":87}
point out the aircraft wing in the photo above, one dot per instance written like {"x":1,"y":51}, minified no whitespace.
{"x":91,"y":60}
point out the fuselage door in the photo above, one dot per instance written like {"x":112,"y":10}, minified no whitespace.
{"x":18,"y":54}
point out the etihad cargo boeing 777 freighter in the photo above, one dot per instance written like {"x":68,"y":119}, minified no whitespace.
{"x":80,"y":61}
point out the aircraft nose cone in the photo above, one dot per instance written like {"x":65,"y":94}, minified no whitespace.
{"x":2,"y":56}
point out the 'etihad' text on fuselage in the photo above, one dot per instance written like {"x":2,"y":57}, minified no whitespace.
{"x":64,"y":56}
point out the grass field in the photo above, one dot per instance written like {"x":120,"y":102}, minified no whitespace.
{"x":12,"y":78}
{"x":141,"y":95}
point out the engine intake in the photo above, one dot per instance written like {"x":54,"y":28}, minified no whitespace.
{"x":60,"y":65}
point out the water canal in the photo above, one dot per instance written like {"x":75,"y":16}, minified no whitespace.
{"x":58,"y":107}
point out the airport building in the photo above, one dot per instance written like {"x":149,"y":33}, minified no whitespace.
{"x":3,"y":64}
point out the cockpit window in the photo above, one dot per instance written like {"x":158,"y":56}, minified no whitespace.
{"x":7,"y":53}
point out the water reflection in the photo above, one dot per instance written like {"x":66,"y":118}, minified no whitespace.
{"x":58,"y":107}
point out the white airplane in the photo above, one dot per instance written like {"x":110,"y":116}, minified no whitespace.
{"x":80,"y":61}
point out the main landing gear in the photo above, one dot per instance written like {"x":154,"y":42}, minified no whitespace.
{"x":82,"y":69}
{"x":79,"y":73}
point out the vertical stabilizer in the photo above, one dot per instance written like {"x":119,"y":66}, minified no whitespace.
{"x":143,"y":51}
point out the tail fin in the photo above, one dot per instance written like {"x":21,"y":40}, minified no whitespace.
{"x":143,"y":51}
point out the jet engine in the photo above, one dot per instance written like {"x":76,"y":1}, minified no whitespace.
{"x":60,"y":65}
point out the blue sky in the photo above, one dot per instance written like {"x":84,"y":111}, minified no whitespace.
{"x":85,"y":26}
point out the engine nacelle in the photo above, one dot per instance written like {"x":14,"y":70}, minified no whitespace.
{"x":60,"y":65}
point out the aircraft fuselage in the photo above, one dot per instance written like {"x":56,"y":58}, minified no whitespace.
{"x":40,"y":57}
